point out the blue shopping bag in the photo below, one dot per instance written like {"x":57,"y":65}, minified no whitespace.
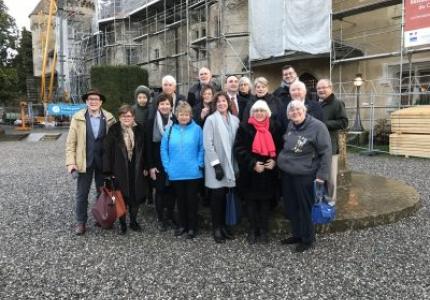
{"x":324,"y":209}
{"x":232,"y":211}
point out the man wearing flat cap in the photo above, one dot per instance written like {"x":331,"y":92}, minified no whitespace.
{"x":84,"y":151}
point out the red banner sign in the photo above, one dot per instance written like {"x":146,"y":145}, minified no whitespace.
{"x":417,"y":22}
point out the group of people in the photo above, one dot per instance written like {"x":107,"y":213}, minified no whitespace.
{"x":244,"y":140}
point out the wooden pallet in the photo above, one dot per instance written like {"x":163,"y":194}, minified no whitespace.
{"x":411,"y":120}
{"x":411,"y":131}
{"x":410,"y":144}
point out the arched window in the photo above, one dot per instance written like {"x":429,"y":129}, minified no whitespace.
{"x":311,"y":84}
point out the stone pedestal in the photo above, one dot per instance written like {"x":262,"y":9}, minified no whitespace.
{"x":343,"y":175}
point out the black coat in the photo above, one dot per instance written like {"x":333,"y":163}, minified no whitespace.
{"x":243,"y":101}
{"x":193,"y":96}
{"x":335,"y":119}
{"x":115,"y":161}
{"x":283,"y":94}
{"x":197,"y":110}
{"x":154,"y":156}
{"x":275,"y":105}
{"x":252,"y":184}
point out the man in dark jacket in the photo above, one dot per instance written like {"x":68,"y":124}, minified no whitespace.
{"x":289,"y":76}
{"x":205,"y":78}
{"x":298,"y":92}
{"x":335,"y":119}
{"x":168,"y":87}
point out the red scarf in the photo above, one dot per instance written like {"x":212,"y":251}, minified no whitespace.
{"x":263,"y":141}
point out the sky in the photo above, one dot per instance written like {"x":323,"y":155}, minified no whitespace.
{"x":19,"y":10}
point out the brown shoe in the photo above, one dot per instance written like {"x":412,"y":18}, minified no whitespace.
{"x":80,"y":229}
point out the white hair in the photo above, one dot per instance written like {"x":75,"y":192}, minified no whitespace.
{"x":327,"y":81}
{"x":246,"y":80}
{"x":296,"y":104}
{"x":261,"y":104}
{"x":299,"y":84}
{"x":168,"y":79}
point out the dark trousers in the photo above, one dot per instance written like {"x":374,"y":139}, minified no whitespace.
{"x":298,"y":196}
{"x":165,"y":204}
{"x":218,"y":199}
{"x":258,"y":213}
{"x":188,"y":202}
{"x":83,"y":188}
{"x":133,"y":209}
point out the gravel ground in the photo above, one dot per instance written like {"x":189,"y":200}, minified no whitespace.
{"x":40,"y":258}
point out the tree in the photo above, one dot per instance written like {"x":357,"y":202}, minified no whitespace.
{"x":8,"y":75}
{"x":23,"y":61}
{"x":8,"y":35}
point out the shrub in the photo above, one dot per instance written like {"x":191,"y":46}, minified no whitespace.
{"x":382,"y":132}
{"x":117,"y":83}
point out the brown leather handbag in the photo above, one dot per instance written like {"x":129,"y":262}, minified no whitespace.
{"x":118,"y":199}
{"x":104,"y":210}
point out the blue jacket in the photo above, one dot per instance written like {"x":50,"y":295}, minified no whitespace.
{"x":182,"y":152}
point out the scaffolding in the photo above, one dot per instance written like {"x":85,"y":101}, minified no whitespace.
{"x":175,"y":37}
{"x":355,"y":41}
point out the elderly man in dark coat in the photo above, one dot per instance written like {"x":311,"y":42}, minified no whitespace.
{"x":335,"y":119}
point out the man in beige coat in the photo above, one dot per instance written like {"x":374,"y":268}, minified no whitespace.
{"x":84,"y":150}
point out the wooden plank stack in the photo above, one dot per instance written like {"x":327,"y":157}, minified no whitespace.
{"x":410,"y":129}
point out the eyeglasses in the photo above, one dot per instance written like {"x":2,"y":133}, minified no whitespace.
{"x":93,"y":99}
{"x":259,"y":110}
{"x":126,"y":116}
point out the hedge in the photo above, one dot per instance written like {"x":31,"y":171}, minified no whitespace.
{"x":117,"y":83}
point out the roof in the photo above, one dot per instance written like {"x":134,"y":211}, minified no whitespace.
{"x":43,"y":5}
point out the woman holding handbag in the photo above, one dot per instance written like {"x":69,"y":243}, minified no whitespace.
{"x":182,"y":157}
{"x":305,"y":157}
{"x":221,"y":168}
{"x":256,"y":147}
{"x":125,"y":159}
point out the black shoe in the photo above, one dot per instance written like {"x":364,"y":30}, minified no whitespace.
{"x":264,"y":237}
{"x":162,"y":226}
{"x":191,"y":234}
{"x":302,"y":247}
{"x":291,"y":240}
{"x":122,"y":229}
{"x":218,"y":237}
{"x":227,"y":234}
{"x":135,"y":226}
{"x":252,"y":238}
{"x":180,"y":231}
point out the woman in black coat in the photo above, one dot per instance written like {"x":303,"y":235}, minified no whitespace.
{"x":245,"y":96}
{"x":256,"y":146}
{"x":157,"y":124}
{"x":261,"y":86}
{"x":203,"y":109}
{"x":125,"y":158}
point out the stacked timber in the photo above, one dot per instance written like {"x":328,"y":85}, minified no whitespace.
{"x":410,"y":129}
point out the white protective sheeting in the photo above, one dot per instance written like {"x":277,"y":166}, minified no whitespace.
{"x":277,"y":26}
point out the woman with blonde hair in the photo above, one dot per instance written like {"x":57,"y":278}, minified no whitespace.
{"x":182,"y":157}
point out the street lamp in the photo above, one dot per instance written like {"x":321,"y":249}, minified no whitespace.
{"x":358,"y":127}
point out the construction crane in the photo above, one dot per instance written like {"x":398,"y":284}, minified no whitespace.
{"x":46,"y":96}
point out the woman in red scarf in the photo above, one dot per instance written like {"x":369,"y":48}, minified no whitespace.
{"x":256,"y":147}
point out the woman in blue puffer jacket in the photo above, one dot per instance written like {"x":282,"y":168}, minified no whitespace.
{"x":182,"y":156}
